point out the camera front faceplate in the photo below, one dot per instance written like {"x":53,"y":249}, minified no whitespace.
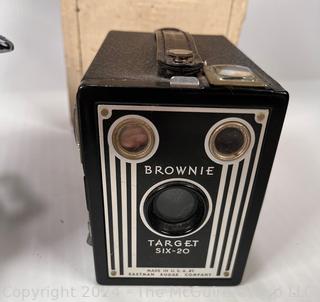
{"x":181,"y":155}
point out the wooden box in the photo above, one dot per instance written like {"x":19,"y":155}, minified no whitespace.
{"x":86,"y":23}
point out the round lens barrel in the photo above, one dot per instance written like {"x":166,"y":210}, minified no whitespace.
{"x":229,"y":141}
{"x":133,"y":138}
{"x":176,"y":208}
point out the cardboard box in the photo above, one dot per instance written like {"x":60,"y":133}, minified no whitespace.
{"x":86,"y":23}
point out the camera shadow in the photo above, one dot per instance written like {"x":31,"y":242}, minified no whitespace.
{"x":284,"y":223}
{"x":18,"y":205}
{"x":43,"y":217}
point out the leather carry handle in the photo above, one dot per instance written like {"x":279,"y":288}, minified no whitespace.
{"x":177,"y":53}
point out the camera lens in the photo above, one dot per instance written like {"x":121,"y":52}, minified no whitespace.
{"x":176,"y":208}
{"x":229,"y":141}
{"x":175,"y":204}
{"x":133,"y":138}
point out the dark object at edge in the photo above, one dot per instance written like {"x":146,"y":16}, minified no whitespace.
{"x":5,"y":45}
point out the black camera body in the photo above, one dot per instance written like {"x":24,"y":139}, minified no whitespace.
{"x":177,"y":135}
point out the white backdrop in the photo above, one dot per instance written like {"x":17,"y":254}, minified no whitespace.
{"x":282,"y":36}
{"x":43,"y":255}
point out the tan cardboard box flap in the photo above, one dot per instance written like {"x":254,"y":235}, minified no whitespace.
{"x":86,"y":23}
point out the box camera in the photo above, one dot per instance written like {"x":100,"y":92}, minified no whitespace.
{"x":177,"y":136}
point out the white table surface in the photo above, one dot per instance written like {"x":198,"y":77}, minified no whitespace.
{"x":43,"y":218}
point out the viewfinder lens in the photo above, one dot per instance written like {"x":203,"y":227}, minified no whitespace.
{"x":230,"y":141}
{"x":133,"y":138}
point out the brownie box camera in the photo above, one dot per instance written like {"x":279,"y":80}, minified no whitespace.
{"x":177,"y":136}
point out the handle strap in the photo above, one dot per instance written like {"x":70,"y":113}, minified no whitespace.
{"x":177,"y":53}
